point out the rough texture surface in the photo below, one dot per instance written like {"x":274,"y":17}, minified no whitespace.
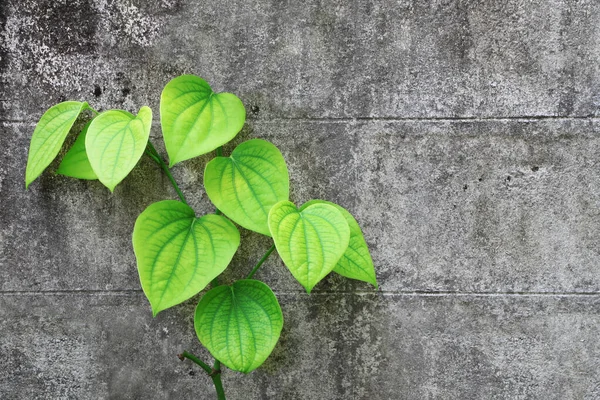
{"x":463,"y":135}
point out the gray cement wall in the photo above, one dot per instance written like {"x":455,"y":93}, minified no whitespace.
{"x":463,"y":135}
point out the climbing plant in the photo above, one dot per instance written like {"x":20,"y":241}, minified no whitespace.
{"x":178,"y":253}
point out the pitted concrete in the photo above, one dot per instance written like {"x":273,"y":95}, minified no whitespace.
{"x":463,"y":135}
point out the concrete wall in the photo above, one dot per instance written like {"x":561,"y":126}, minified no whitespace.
{"x":463,"y":135}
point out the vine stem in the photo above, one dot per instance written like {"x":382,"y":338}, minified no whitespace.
{"x":153,"y":154}
{"x":216,"y":378}
{"x":214,"y":372}
{"x":262,"y":260}
{"x":87,"y":106}
{"x":195,"y":359}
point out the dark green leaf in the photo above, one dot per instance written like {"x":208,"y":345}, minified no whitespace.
{"x":76,"y":163}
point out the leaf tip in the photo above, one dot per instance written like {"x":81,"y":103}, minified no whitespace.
{"x":155,"y":311}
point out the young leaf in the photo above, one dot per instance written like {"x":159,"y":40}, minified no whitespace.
{"x":247,"y":184}
{"x":49,"y":136}
{"x":115,"y":142}
{"x":178,"y":254}
{"x":76,"y":163}
{"x":356,"y":263}
{"x":239,"y":324}
{"x":195,"y":120}
{"x":310,"y":242}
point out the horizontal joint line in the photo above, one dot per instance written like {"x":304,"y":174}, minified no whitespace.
{"x":521,"y":118}
{"x":391,"y":293}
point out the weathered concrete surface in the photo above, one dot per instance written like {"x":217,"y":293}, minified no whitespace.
{"x":501,"y":206}
{"x":463,"y":135}
{"x":409,"y":58}
{"x":334,"y":346}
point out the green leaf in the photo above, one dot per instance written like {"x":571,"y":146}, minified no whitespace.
{"x":76,"y":163}
{"x":115,"y":142}
{"x":239,"y":324}
{"x":195,"y":120}
{"x":178,"y":254}
{"x":247,"y":184}
{"x":310,"y":242}
{"x":356,"y":263}
{"x":49,"y":136}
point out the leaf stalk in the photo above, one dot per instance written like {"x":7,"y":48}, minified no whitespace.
{"x":153,"y":154}
{"x":262,"y":260}
{"x":214,"y":372}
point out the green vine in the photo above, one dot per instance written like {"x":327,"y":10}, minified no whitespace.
{"x":178,"y":254}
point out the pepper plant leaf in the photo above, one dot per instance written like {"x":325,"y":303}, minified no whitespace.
{"x":49,"y":136}
{"x":195,"y":120}
{"x":247,"y":184}
{"x":356,"y":263}
{"x":239,"y":324}
{"x":115,"y":141}
{"x":310,"y":242}
{"x":178,"y":254}
{"x":76,"y":163}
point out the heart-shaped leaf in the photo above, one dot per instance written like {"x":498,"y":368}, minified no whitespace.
{"x":310,"y":242}
{"x":239,"y":324}
{"x":49,"y":136}
{"x":195,"y":120}
{"x":247,"y":184}
{"x":76,"y":163}
{"x":115,"y":142}
{"x":179,"y":254}
{"x":356,"y":263}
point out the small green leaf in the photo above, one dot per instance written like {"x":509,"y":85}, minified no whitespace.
{"x":178,"y":254}
{"x":76,"y":163}
{"x":247,"y":184}
{"x":356,"y":263}
{"x":195,"y":120}
{"x":49,"y":136}
{"x":115,"y":142}
{"x":310,"y":242}
{"x":239,"y":324}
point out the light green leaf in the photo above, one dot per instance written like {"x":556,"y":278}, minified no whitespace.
{"x":178,"y":254}
{"x":310,"y":242}
{"x":239,"y":324}
{"x":49,"y":136}
{"x":115,"y":142}
{"x":195,"y":120}
{"x":76,"y":163}
{"x":356,"y":263}
{"x":247,"y":184}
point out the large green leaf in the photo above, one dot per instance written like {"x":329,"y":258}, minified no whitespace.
{"x":49,"y":136}
{"x":179,"y":254}
{"x":310,"y":242}
{"x":247,"y":184}
{"x":76,"y":163}
{"x":115,"y":142}
{"x":239,"y":324}
{"x":356,"y":263}
{"x":195,"y":120}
